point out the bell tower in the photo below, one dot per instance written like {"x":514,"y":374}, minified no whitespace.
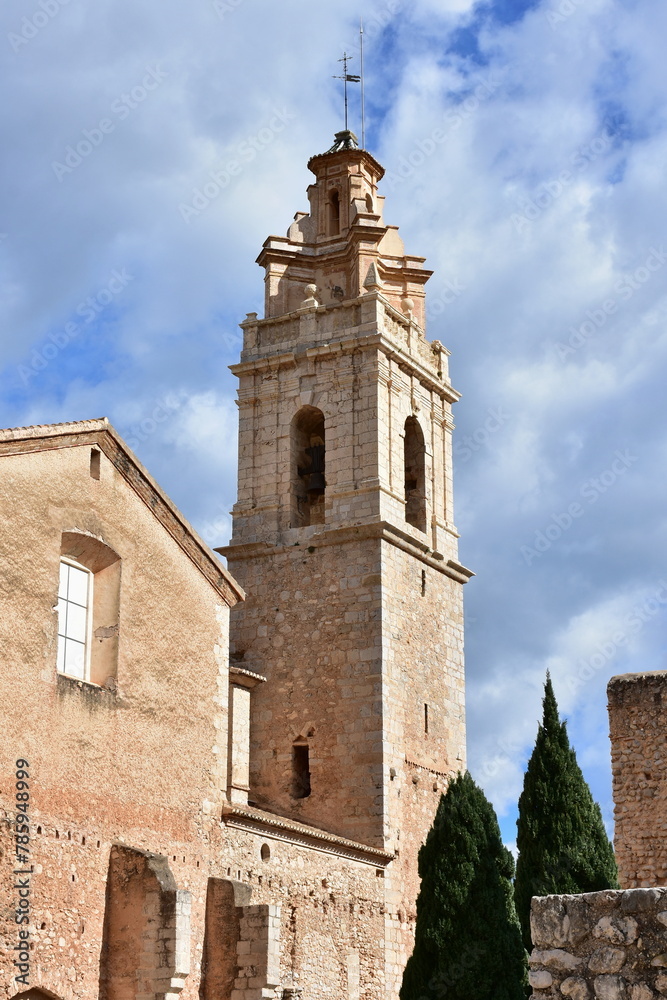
{"x":343,"y":536}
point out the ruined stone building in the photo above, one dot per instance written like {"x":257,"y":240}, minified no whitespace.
{"x":230,"y":772}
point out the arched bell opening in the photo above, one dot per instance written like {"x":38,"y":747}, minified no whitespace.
{"x":414,"y":452}
{"x":308,"y":485}
{"x":333,"y":214}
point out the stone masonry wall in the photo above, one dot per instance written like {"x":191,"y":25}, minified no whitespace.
{"x":609,"y":945}
{"x":638,"y":723}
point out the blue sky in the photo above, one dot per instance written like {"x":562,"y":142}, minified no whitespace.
{"x":525,"y":146}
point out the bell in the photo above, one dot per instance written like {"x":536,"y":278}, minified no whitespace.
{"x":316,"y":483}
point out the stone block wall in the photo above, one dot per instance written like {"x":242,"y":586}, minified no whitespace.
{"x":609,"y":945}
{"x":258,"y":951}
{"x":146,"y":944}
{"x":638,"y":722}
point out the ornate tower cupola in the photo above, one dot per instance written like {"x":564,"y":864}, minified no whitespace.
{"x":342,"y":246}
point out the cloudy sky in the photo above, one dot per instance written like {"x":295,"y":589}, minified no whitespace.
{"x":525,"y":144}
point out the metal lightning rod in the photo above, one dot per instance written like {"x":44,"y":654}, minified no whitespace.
{"x":361,"y":67}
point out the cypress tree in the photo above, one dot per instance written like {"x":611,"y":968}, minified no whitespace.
{"x":467,"y":938}
{"x":563,"y":846}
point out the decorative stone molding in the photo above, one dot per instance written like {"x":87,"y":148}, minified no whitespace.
{"x":279,"y":828}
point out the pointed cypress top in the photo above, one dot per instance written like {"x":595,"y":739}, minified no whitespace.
{"x":550,"y":721}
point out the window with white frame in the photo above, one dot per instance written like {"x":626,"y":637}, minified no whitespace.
{"x":75,"y":602}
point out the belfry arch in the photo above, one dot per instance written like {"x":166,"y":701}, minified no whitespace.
{"x":414,"y":456}
{"x":307,"y":482}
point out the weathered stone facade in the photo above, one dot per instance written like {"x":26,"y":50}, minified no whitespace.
{"x":240,"y":829}
{"x":638,"y":726}
{"x":609,"y":945}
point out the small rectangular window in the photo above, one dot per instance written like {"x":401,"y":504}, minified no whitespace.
{"x":95,"y":463}
{"x":426,"y":720}
{"x":75,"y":595}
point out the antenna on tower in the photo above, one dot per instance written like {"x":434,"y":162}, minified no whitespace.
{"x":347,"y":78}
{"x":361,"y":70}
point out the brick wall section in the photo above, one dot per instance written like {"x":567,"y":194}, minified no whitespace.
{"x":609,"y":945}
{"x":638,"y":728}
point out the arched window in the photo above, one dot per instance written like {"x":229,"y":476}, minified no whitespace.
{"x":88,"y":609}
{"x":333,"y":209}
{"x":415,"y":479}
{"x":307,"y":481}
{"x":300,"y":769}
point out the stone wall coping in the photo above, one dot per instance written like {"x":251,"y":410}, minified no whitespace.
{"x":101,"y":434}
{"x":642,"y":677}
{"x":631,"y":898}
{"x":280,"y":828}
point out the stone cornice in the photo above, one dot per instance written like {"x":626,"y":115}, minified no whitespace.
{"x":100,"y":433}
{"x":342,"y":535}
{"x":351,"y":344}
{"x":266,"y":824}
{"x":245,"y":678}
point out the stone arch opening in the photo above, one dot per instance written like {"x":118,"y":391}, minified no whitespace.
{"x":300,"y":768}
{"x":307,"y":482}
{"x":414,"y":452}
{"x":333,"y":213}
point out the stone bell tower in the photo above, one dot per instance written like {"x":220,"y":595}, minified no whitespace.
{"x":343,"y":534}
